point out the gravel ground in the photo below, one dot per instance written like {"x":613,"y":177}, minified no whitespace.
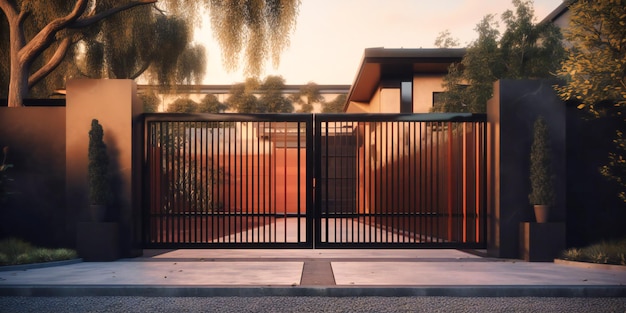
{"x":309,"y":304}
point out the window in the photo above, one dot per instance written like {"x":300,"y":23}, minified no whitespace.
{"x":437,"y":98}
{"x":406,"y":97}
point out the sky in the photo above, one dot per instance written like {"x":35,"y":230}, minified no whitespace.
{"x":330,"y":35}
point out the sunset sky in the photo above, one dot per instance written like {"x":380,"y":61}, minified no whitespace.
{"x":330,"y":35}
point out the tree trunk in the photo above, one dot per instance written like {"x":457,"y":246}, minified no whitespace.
{"x":18,"y":82}
{"x":18,"y":85}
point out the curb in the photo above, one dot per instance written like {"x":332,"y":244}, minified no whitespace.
{"x":360,"y":291}
{"x":24,"y":267}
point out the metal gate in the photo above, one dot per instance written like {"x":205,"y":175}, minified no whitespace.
{"x":324,"y":180}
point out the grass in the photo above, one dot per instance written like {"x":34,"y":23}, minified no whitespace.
{"x":15,"y":252}
{"x":611,"y":252}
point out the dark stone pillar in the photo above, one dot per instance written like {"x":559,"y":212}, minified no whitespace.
{"x":511,"y":113}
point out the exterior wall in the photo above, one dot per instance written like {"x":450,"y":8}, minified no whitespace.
{"x":423,"y":88}
{"x":387,"y":100}
{"x":358,"y":107}
{"x":36,"y":211}
{"x":384,"y":100}
{"x":115,"y":104}
{"x":264,"y":183}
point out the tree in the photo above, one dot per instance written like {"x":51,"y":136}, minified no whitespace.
{"x":55,"y":36}
{"x":242,"y":98}
{"x":150,"y":101}
{"x":594,"y":70}
{"x":445,"y":40}
{"x":311,"y":94}
{"x":272,"y":98}
{"x":154,"y":44}
{"x":260,"y":27}
{"x":210,"y":104}
{"x":336,"y":105}
{"x":24,"y":51}
{"x":183,"y":105}
{"x":525,"y":50}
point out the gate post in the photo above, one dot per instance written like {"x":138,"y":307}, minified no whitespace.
{"x":511,"y":113}
{"x":115,"y":104}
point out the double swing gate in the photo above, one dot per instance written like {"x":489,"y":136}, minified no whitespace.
{"x":323,"y":180}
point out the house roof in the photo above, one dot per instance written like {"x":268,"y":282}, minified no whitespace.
{"x":556,"y":13}
{"x":380,"y":64}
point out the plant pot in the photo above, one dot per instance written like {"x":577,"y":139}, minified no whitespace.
{"x":97,"y":212}
{"x":542,"y":213}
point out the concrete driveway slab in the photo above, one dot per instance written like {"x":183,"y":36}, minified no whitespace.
{"x":470,"y":273}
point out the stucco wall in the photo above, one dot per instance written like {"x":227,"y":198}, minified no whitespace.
{"x":423,"y":88}
{"x":36,"y":210}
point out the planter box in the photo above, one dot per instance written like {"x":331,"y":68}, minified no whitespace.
{"x":541,"y":242}
{"x":97,"y":242}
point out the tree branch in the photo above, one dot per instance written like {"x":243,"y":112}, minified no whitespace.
{"x":54,"y":61}
{"x":22,"y":16}
{"x":141,"y":70}
{"x":45,"y":37}
{"x":8,"y":9}
{"x":83,"y":22}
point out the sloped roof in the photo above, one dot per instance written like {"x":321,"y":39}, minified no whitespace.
{"x":399,"y":64}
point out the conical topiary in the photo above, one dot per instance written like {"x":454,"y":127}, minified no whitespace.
{"x":541,"y":168}
{"x":98,"y":166}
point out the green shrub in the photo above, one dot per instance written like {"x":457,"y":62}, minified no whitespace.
{"x":15,"y":251}
{"x":612,"y":252}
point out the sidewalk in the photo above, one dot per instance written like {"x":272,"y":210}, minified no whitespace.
{"x":314,"y":273}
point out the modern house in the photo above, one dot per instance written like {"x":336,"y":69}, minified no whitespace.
{"x":400,"y":80}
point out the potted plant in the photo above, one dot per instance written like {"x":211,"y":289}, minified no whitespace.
{"x":542,"y":176}
{"x":98,"y":171}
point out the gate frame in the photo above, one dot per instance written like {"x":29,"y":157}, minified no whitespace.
{"x":313,"y":212}
{"x":399,"y":117}
{"x":305,"y":118}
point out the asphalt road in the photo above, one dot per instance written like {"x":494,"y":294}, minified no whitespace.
{"x":309,"y":304}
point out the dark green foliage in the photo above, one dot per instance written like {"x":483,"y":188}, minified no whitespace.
{"x":99,"y":191}
{"x":210,"y":104}
{"x":307,"y":96}
{"x":4,"y":177}
{"x":150,"y":101}
{"x":242,"y":98}
{"x":615,"y":169}
{"x":272,"y":99}
{"x":594,"y":72}
{"x":525,"y":50}
{"x":605,"y":252}
{"x":542,"y":175}
{"x":15,"y":251}
{"x":336,"y":105}
{"x":183,"y":105}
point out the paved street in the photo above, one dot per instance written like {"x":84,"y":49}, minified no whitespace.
{"x":310,"y":304}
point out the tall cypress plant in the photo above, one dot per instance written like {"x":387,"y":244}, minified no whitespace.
{"x":542,"y":175}
{"x":98,"y":166}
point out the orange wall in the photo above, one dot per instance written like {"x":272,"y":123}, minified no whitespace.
{"x":265,"y":183}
